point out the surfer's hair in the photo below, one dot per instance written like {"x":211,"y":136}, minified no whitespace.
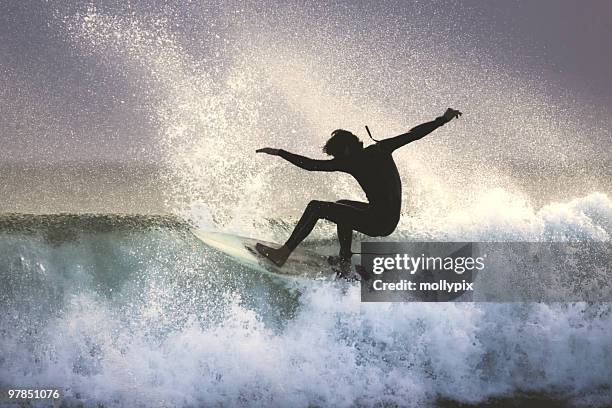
{"x":340,"y":139}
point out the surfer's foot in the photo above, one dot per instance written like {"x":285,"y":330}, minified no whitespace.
{"x":277,"y":256}
{"x":342,"y":266}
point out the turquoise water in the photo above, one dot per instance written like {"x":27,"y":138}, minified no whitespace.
{"x":135,"y":311}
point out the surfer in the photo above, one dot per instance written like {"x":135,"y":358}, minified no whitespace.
{"x":375,"y":171}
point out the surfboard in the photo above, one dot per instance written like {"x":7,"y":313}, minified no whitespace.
{"x":302,"y":264}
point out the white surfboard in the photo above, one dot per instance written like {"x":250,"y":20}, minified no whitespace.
{"x":302,"y":264}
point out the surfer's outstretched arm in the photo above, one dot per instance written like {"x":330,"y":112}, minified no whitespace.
{"x":418,"y":132}
{"x":303,"y":162}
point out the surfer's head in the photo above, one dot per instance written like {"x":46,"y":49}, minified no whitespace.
{"x":342,"y":143}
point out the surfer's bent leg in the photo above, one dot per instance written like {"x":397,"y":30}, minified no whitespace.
{"x":341,"y":213}
{"x":347,"y":215}
{"x":345,"y":237}
{"x":314,"y":211}
{"x":345,"y":231}
{"x":311,"y":215}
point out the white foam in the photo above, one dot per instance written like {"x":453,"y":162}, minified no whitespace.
{"x":498,"y":215}
{"x":335,"y":352}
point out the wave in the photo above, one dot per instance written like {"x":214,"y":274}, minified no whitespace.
{"x":133,"y":311}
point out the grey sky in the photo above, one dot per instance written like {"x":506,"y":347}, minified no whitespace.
{"x":59,"y":103}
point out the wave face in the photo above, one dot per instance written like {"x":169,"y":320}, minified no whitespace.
{"x":135,"y":311}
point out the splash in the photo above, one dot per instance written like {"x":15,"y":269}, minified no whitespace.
{"x":258,"y":79}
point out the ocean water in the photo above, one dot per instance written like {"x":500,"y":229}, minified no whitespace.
{"x":135,"y":311}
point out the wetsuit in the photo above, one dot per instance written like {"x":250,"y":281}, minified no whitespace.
{"x":376,"y":172}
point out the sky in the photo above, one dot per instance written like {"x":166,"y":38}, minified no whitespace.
{"x":59,"y":102}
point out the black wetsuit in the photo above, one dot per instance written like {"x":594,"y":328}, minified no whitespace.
{"x":376,"y":172}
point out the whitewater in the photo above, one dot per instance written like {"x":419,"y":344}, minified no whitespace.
{"x":135,"y":311}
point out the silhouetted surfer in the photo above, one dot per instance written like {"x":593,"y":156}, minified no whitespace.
{"x":376,"y":173}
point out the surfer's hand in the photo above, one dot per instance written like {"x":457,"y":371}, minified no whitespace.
{"x":268,"y":150}
{"x":450,"y":114}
